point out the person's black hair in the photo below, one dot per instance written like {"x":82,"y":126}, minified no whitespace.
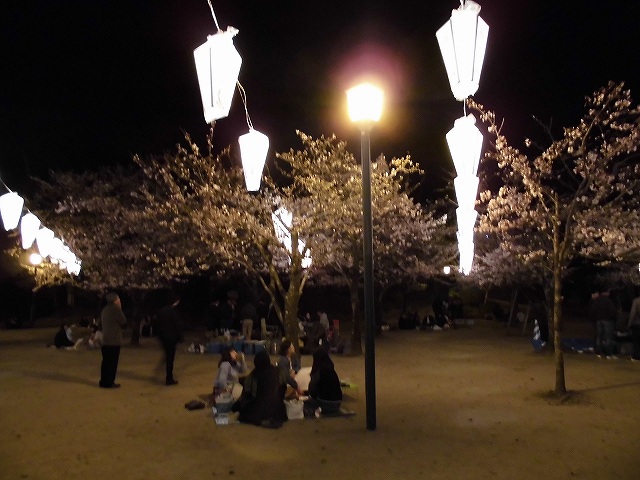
{"x":284,"y":346}
{"x":321,"y":360}
{"x":226,"y":356}
{"x":261,"y":361}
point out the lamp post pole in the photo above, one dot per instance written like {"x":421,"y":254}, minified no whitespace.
{"x":369,"y":307}
{"x":365,"y":107}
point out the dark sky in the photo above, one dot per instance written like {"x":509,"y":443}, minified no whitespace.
{"x":85,"y":83}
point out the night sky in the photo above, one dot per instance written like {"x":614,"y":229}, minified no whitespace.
{"x":86,"y":83}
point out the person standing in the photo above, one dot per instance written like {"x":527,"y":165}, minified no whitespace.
{"x":113,"y":320}
{"x":603,"y":312}
{"x":170,"y":334}
{"x":634,"y":326}
{"x":227,"y":311}
{"x":248,"y":316}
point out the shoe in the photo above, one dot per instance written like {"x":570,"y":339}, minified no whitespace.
{"x":635,"y":359}
{"x":611,"y":357}
{"x":113,"y":385}
{"x":171,"y":382}
{"x":599,"y":355}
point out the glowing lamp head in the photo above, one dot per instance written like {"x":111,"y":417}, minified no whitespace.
{"x":365,"y":103}
{"x":35,"y":259}
{"x":447,"y":270}
{"x":217,"y":65}
{"x":11,"y":209}
{"x":253,"y":150}
{"x":463,"y":42}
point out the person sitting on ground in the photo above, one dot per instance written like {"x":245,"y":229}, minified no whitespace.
{"x":64,"y":338}
{"x":95,"y":339}
{"x":289,"y":365}
{"x":324,"y":387}
{"x":261,"y":402}
{"x":230,"y":367}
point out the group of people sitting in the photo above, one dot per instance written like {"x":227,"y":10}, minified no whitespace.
{"x":64,"y":337}
{"x":267,"y":386}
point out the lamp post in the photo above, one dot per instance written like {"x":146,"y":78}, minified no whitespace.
{"x":365,"y":108}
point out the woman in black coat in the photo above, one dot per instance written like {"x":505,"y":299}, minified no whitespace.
{"x":324,"y":386}
{"x":262,"y":399}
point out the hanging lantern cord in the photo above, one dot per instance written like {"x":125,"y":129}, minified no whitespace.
{"x":243,"y":95}
{"x":214,"y":15}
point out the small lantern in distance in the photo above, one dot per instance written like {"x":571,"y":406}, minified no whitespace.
{"x":253,"y":150}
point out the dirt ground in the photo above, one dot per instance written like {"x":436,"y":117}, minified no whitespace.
{"x":461,"y":404}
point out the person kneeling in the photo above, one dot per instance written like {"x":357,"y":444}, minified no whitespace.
{"x":324,"y":387}
{"x":262,"y":399}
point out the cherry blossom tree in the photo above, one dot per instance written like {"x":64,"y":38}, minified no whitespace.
{"x":578,"y":197}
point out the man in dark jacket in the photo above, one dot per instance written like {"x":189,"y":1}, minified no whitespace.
{"x":170,"y":334}
{"x":602,"y":312}
{"x":113,"y":320}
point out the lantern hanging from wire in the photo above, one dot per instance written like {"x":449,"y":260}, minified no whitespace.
{"x":463,"y":42}
{"x":44,"y":241}
{"x":218,"y":66}
{"x":253,"y":150}
{"x":11,"y":209}
{"x":29,"y":225}
{"x":465,"y":145}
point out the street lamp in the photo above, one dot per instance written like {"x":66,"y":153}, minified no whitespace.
{"x":365,"y":108}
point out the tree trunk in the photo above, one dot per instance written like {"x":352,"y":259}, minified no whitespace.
{"x":356,"y":311}
{"x":137,"y":297}
{"x":291,"y":302}
{"x":557,"y":315}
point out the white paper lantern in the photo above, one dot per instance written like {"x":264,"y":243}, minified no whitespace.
{"x":11,"y":208}
{"x":253,"y":150}
{"x":29,"y":225}
{"x":465,"y":145}
{"x":466,"y":220}
{"x":466,"y":256}
{"x":463,"y":42}
{"x":44,"y":241}
{"x":466,"y":190}
{"x":217,"y":65}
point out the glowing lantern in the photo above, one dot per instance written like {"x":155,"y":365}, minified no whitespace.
{"x":29,"y":225}
{"x":463,"y":42}
{"x":253,"y":150}
{"x":466,"y":190}
{"x":44,"y":241}
{"x":217,"y":65}
{"x":465,"y":145}
{"x":11,"y":208}
{"x":282,"y":220}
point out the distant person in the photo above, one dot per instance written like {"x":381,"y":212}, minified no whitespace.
{"x":212,"y":323}
{"x":169,"y":333}
{"x":289,"y":365}
{"x":324,"y":386}
{"x":634,"y":326}
{"x":113,"y":321}
{"x":603,"y":311}
{"x":95,"y":339}
{"x":261,"y":402}
{"x":324,"y":320}
{"x":230,"y":367}
{"x":64,"y":338}
{"x":248,"y":316}
{"x":227,"y":312}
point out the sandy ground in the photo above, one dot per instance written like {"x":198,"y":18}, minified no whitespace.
{"x":463,"y":404}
